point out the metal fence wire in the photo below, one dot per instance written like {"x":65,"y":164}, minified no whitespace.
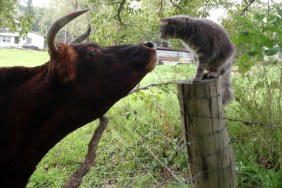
{"x":154,"y":125}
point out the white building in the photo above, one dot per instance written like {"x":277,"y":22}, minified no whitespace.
{"x":13,"y":40}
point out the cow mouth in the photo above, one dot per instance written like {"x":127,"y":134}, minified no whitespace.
{"x":153,"y":56}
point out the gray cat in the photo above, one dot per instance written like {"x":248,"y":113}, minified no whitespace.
{"x":210,"y":45}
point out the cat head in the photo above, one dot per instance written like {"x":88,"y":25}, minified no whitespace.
{"x":167,"y":29}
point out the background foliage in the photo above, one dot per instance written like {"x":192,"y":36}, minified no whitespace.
{"x":13,"y":19}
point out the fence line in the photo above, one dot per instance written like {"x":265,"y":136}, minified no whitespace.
{"x":160,"y":161}
{"x":190,"y":163}
{"x":142,"y":139}
{"x":152,"y":154}
{"x":136,"y":158}
{"x":248,"y":123}
{"x":165,"y":137}
{"x":137,"y":134}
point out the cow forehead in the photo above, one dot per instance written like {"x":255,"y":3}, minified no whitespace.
{"x":116,"y":49}
{"x":85,"y":45}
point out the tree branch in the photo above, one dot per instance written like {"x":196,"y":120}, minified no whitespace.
{"x":151,"y":85}
{"x":247,"y":7}
{"x":268,"y":7}
{"x":119,"y":12}
{"x":74,"y":4}
{"x":161,"y":9}
{"x":76,"y":178}
{"x":177,"y":6}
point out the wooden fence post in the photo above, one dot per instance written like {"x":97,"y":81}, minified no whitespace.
{"x":207,"y":143}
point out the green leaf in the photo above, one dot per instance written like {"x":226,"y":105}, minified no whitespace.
{"x":272,"y":19}
{"x":259,"y":17}
{"x":244,"y":63}
{"x":241,"y":19}
{"x":279,"y":11}
{"x":270,"y":28}
{"x":134,"y":98}
{"x":275,"y":85}
{"x":165,"y":89}
{"x":142,"y":93}
{"x":243,"y":37}
{"x":271,"y":51}
{"x":265,"y":41}
{"x":259,"y":85}
{"x":253,"y":52}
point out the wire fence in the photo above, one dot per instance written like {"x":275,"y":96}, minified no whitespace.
{"x":251,"y":140}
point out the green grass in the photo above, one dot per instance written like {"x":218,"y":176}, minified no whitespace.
{"x":150,"y":119}
{"x":18,"y":57}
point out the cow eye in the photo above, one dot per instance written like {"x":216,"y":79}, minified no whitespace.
{"x":91,"y":53}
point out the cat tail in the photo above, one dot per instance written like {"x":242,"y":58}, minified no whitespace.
{"x":226,"y":88}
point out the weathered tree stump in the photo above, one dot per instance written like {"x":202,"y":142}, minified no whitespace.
{"x":207,"y":143}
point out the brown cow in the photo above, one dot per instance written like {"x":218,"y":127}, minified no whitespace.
{"x":39,"y":106}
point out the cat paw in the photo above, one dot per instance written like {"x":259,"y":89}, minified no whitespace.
{"x":196,"y":80}
{"x":212,"y":75}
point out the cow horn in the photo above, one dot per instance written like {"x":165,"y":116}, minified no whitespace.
{"x":82,"y":37}
{"x":54,"y":29}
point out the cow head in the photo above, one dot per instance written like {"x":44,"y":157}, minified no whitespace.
{"x":117,"y":67}
{"x":98,"y":74}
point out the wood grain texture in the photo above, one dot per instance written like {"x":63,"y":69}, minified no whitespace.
{"x":207,"y":143}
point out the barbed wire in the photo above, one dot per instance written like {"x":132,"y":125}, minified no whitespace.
{"x":155,"y":156}
{"x":189,"y":180}
{"x":190,"y":162}
{"x":146,"y":141}
{"x":248,"y":123}
{"x":142,"y":139}
{"x":135,"y":157}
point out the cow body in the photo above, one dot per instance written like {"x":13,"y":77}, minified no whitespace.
{"x":41,"y":105}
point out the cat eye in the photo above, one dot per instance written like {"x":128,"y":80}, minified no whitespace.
{"x":91,"y":53}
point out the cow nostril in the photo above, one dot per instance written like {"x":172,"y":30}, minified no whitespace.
{"x":149,"y":45}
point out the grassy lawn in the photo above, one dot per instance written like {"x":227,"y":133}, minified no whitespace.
{"x":18,"y":57}
{"x":148,"y":122}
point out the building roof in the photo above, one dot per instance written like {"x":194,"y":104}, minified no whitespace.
{"x":17,"y":34}
{"x":37,"y":33}
{"x":9,"y":34}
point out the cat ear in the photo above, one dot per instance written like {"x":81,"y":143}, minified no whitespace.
{"x":164,"y":22}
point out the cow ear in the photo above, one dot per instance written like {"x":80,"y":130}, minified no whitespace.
{"x":63,"y":65}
